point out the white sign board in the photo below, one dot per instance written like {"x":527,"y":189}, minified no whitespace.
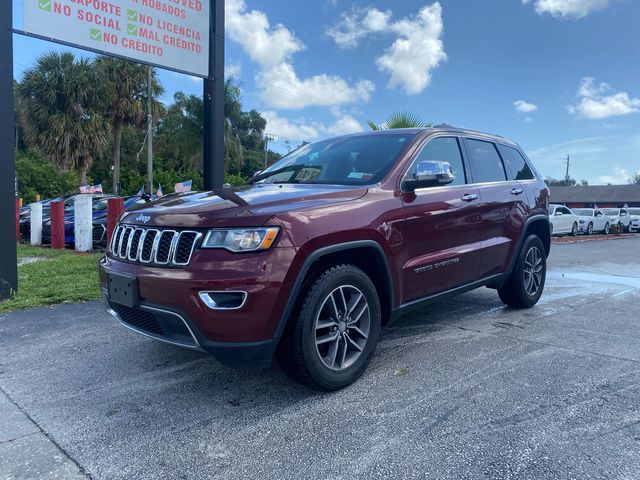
{"x":168,"y":33}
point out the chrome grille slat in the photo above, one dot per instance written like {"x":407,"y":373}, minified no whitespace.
{"x":168,"y":247}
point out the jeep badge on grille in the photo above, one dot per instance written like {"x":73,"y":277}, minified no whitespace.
{"x":143,"y":218}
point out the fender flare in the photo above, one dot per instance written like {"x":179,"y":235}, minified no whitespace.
{"x":322,"y":252}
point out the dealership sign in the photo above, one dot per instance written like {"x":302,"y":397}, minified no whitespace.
{"x":173,"y":34}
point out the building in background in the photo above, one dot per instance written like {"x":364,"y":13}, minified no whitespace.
{"x":605,"y":196}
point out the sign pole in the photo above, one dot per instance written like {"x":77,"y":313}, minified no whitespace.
{"x":149,"y":131}
{"x":213,"y":142}
{"x":8,"y":253}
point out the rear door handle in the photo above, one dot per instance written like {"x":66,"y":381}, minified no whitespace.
{"x":516,"y":191}
{"x":470,"y":197}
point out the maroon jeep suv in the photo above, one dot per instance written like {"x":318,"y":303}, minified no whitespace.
{"x":314,"y":254}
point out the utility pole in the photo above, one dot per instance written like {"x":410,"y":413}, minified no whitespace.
{"x":268,"y":138}
{"x":213,"y":146}
{"x":8,"y":253}
{"x":150,"y":131}
{"x":567,"y":177}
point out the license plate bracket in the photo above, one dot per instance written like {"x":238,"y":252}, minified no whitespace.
{"x":123,"y":290}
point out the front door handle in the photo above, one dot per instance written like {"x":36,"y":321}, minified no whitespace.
{"x":516,"y":191}
{"x":470,"y":197}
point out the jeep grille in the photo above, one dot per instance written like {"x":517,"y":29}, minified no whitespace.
{"x":152,"y":246}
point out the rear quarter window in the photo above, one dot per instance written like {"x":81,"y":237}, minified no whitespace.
{"x":517,"y":166}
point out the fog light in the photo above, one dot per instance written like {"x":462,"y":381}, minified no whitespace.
{"x":224,"y":300}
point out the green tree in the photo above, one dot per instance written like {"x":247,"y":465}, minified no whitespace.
{"x":553,"y":182}
{"x":181,"y":131}
{"x":400,"y":119}
{"x":60,"y":102}
{"x":635,"y":180}
{"x":125,"y":87}
{"x":38,"y":176}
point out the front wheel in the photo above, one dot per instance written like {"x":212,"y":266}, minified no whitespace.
{"x":590,"y":229}
{"x":574,"y":229}
{"x":329,"y":343}
{"x":526,"y":283}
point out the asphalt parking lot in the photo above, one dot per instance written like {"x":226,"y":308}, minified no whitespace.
{"x":462,"y":389}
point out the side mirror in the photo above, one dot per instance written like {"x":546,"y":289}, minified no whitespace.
{"x":429,"y":174}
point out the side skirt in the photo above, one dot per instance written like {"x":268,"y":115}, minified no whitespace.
{"x":492,"y":282}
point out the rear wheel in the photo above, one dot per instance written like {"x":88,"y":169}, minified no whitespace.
{"x":607,"y":229}
{"x":329,"y":343}
{"x":574,"y":229}
{"x":526,"y":283}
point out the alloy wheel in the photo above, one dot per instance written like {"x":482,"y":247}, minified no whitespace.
{"x":342,"y":327}
{"x":533,"y":265}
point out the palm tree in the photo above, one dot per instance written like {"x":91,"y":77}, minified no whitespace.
{"x":125,"y":87}
{"x":401,"y":119}
{"x":59,"y":108}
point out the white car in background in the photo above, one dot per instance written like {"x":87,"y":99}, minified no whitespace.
{"x":563,"y":220}
{"x":635,"y":219}
{"x":619,"y":217}
{"x":592,"y":220}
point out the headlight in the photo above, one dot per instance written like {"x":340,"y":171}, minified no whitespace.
{"x":241,"y":239}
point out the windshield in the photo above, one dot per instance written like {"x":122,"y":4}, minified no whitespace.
{"x":587,"y":212}
{"x":612,"y":212}
{"x":634,"y":211}
{"x":357,"y":160}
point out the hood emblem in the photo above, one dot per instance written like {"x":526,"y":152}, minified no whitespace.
{"x":143,"y":218}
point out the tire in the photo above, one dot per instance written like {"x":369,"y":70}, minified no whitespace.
{"x":607,"y":229}
{"x":574,"y":230}
{"x":333,"y":356}
{"x":590,"y":229}
{"x":517,"y":291}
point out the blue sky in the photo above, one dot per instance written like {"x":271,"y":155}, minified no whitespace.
{"x":560,"y":77}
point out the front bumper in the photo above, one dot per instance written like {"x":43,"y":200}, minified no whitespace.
{"x":171,"y":310}
{"x":175,"y":328}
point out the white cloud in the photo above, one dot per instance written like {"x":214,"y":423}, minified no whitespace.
{"x":232,"y":70}
{"x":286,"y":129}
{"x":417,"y":50}
{"x":272,"y":48}
{"x":301,"y":129}
{"x":282,"y":88}
{"x":265,"y":45}
{"x":568,"y":8}
{"x":525,"y":107}
{"x":596,"y":102}
{"x":620,"y":176}
{"x":592,"y":158}
{"x":357,"y":24}
{"x":344,"y":125}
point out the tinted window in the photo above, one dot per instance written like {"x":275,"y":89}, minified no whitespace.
{"x":355,"y":160}
{"x":485,"y":161}
{"x":515,"y":163}
{"x":443,"y":149}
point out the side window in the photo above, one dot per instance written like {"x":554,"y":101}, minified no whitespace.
{"x":443,"y":149}
{"x":516,"y":165}
{"x":485,"y":162}
{"x":566,"y":211}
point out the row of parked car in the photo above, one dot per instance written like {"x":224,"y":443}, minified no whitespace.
{"x":99,"y":207}
{"x":588,"y":221}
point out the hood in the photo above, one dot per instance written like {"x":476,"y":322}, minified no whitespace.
{"x":251,"y":205}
